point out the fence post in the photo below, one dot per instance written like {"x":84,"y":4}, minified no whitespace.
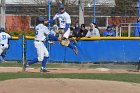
{"x":120,"y":31}
{"x":23,"y":50}
{"x":117,"y":31}
{"x":129,"y":30}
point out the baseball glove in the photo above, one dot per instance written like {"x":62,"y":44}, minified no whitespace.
{"x":65,"y":42}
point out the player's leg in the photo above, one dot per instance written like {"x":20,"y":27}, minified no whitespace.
{"x":70,"y":45}
{"x":5,"y":46}
{"x":73,"y":47}
{"x":1,"y":51}
{"x":38,"y":46}
{"x":46,"y":56}
{"x":67,"y":34}
{"x":3,"y":55}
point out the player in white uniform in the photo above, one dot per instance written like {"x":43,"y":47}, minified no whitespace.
{"x":40,"y":36}
{"x":4,"y":37}
{"x":64,"y":26}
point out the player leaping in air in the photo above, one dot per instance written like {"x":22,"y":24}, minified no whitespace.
{"x":64,"y":27}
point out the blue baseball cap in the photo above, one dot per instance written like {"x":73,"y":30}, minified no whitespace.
{"x":2,"y":29}
{"x":41,"y":19}
{"x":109,"y":26}
{"x":61,"y":6}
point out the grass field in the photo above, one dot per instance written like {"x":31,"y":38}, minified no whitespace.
{"x":135,"y":78}
{"x":74,"y":65}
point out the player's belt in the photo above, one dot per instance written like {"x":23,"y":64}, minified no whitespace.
{"x":38,"y":41}
{"x":2,"y":44}
{"x":61,"y":28}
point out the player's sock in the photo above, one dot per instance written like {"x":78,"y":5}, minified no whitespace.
{"x":44,"y":62}
{"x":33,"y":61}
{"x":3,"y":55}
{"x":74,"y":48}
{"x":71,"y":45}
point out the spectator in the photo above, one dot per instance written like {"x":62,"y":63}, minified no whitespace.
{"x":83,"y":31}
{"x":93,"y":31}
{"x":137,"y":28}
{"x":76,"y":30}
{"x":109,"y":31}
{"x":54,"y":30}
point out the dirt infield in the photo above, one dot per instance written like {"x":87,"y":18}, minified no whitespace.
{"x":68,"y":70}
{"x":66,"y":86}
{"x":31,"y":85}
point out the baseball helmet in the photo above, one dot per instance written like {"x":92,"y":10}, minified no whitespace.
{"x":109,"y":26}
{"x":61,"y":6}
{"x":2,"y":29}
{"x":41,"y":19}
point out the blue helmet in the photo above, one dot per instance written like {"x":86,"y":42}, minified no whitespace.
{"x":41,"y":19}
{"x":109,"y":26}
{"x":2,"y":29}
{"x":61,"y":6}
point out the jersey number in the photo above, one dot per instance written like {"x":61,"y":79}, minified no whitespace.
{"x":36,"y":32}
{"x":3,"y":37}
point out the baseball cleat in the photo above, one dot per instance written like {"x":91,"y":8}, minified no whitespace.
{"x":75,"y":50}
{"x":75,"y":42}
{"x":43,"y":70}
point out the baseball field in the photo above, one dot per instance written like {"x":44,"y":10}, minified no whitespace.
{"x":69,"y":78}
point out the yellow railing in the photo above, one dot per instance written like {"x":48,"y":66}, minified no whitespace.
{"x":99,"y":38}
{"x":14,"y":37}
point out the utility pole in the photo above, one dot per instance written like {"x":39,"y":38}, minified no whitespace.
{"x":3,"y":9}
{"x":94,"y":11}
{"x":81,"y":12}
{"x":139,"y":8}
{"x":49,"y":12}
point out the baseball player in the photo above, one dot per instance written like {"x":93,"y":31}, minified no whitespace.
{"x":4,"y":37}
{"x":64,"y":27}
{"x":41,"y":31}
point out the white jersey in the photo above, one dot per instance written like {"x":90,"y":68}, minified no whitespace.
{"x":63,"y":18}
{"x":4,"y":38}
{"x":93,"y":33}
{"x":40,"y":31}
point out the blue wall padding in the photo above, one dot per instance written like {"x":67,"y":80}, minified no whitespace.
{"x":91,"y":51}
{"x":30,"y":50}
{"x":14,"y":52}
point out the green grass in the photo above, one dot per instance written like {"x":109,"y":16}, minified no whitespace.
{"x":49,"y":65}
{"x":73,"y":65}
{"x":135,"y":78}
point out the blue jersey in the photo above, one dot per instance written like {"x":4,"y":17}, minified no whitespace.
{"x":137,"y":29}
{"x":109,"y":33}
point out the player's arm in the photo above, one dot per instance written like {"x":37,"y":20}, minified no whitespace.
{"x":47,"y":32}
{"x":67,"y":26}
{"x":52,"y":20}
{"x":8,"y":36}
{"x":68,"y":22}
{"x":53,"y":37}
